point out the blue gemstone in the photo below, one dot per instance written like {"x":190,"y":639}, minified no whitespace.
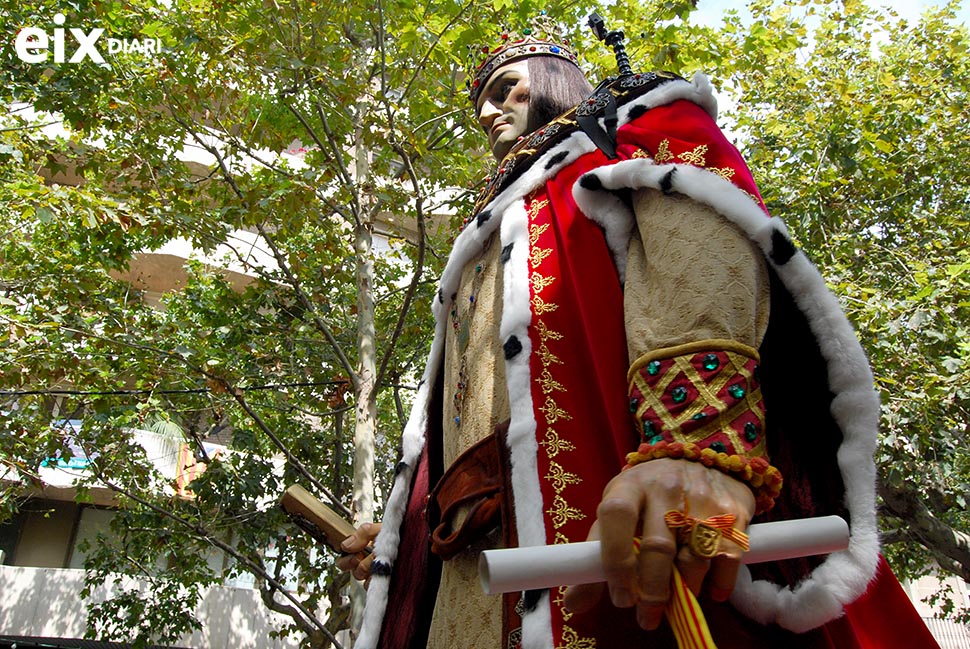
{"x":678,"y":394}
{"x":699,"y":416}
{"x":736,"y":391}
{"x":554,"y":49}
{"x":457,"y":420}
{"x":711,"y":362}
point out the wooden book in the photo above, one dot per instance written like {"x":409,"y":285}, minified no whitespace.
{"x":315,"y":518}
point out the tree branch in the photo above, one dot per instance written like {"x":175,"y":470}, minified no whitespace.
{"x":322,"y":325}
{"x":949,"y":546}
{"x":203,"y":533}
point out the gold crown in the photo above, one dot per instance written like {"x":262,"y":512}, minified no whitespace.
{"x":541,"y":38}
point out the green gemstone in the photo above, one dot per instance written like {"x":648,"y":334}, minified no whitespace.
{"x":649,"y":428}
{"x":750,"y":431}
{"x":656,"y":439}
{"x":699,"y":416}
{"x":718,"y":446}
{"x":711,"y":362}
{"x":736,"y":391}
{"x":527,"y":31}
{"x":679,"y":394}
{"x":633,"y":404}
{"x":653,"y":368}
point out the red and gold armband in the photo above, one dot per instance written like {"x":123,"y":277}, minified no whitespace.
{"x":702,"y":402}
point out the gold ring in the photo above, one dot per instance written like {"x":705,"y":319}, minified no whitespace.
{"x":703,"y":540}
{"x":702,"y":537}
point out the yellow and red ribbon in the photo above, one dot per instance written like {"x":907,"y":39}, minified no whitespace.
{"x":723,"y":524}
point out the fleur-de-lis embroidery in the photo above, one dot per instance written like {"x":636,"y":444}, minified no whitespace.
{"x":540,"y":306}
{"x":553,"y":412}
{"x":562,"y":513}
{"x":571,"y":640}
{"x":555,"y":445}
{"x":538,"y":255}
{"x":545,"y":333}
{"x":540,"y":282}
{"x":560,"y":477}
{"x":727,"y":173}
{"x":663,"y":152}
{"x":547,"y":357}
{"x":549,"y":384}
{"x":534,"y":208}
{"x":696,"y":156}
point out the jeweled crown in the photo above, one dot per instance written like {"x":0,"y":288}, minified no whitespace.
{"x":540,"y":38}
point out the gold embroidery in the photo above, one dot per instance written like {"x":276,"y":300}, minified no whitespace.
{"x":553,"y":412}
{"x":562,"y":513}
{"x":548,"y":384}
{"x":727,"y":173}
{"x":560,"y":477}
{"x":537,"y":255}
{"x":571,"y":640}
{"x":540,"y":281}
{"x":545,"y":333}
{"x":555,"y":445}
{"x":561,"y":602}
{"x":695,"y":157}
{"x":540,"y":306}
{"x":640,"y":153}
{"x":707,"y":396}
{"x":663,"y":152}
{"x":535,"y":230}
{"x":547,"y":357}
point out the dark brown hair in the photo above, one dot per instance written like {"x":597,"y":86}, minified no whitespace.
{"x":555,"y":86}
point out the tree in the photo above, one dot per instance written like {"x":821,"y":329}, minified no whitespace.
{"x":324,"y":326}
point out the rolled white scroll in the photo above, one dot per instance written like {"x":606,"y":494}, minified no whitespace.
{"x":568,"y":564}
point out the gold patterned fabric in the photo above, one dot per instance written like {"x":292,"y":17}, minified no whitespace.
{"x":680,"y":288}
{"x":476,"y":399}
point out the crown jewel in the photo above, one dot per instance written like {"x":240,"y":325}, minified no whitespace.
{"x":540,"y":38}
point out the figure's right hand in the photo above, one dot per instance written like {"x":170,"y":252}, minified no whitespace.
{"x":356,"y":561}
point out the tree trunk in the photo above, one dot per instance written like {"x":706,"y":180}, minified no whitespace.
{"x":366,"y":390}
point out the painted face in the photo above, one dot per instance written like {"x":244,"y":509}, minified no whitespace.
{"x":503,"y":106}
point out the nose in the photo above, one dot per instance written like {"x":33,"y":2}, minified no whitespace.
{"x":487,"y":114}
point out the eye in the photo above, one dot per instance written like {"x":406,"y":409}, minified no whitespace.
{"x":506,"y":89}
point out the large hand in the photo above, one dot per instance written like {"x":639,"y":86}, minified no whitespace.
{"x":636,"y":500}
{"x":354,"y":545}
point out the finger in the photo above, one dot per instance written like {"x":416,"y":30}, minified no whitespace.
{"x":658,"y":546}
{"x":692,"y":568}
{"x":583,"y":597}
{"x":347,"y":562}
{"x":361,"y":538}
{"x":362,"y":571}
{"x":618,"y":515}
{"x":722,"y":576}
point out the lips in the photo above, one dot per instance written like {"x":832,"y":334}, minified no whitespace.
{"x":495,"y":128}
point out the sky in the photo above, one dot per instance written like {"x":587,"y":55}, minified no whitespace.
{"x":710,"y":11}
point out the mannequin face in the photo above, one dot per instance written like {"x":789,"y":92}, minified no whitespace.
{"x":503,"y":106}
